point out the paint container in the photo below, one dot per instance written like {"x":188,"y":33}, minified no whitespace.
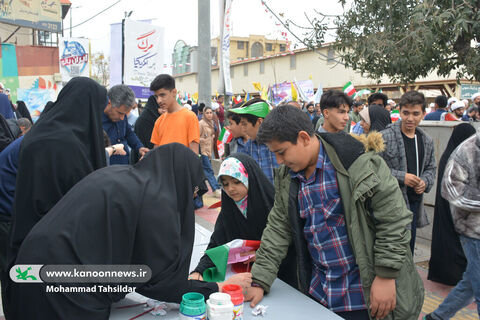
{"x":193,"y":306}
{"x":219,"y":307}
{"x":236,"y":293}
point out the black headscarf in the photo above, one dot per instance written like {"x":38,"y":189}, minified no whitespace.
{"x":447,"y":261}
{"x":141,"y":214}
{"x":63,"y":146}
{"x":146,"y":121}
{"x":23,"y":110}
{"x":231,"y":223}
{"x":6,"y":134}
{"x":379,"y":118}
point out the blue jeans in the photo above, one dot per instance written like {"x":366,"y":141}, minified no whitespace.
{"x":207,"y":168}
{"x":468,"y":289}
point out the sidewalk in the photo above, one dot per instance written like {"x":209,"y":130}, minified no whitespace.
{"x":434,"y":292}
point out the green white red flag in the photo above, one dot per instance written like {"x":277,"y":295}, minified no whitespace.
{"x":349,"y":89}
{"x":225,"y":136}
{"x":236,"y":251}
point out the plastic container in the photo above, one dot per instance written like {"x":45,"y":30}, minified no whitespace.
{"x":236,"y":293}
{"x":219,"y":307}
{"x":192,"y":306}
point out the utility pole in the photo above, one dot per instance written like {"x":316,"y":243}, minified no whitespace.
{"x":204,"y":53}
{"x":71,"y":9}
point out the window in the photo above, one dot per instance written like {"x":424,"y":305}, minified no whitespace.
{"x":269,"y":47}
{"x":232,"y":74}
{"x":262,"y":67}
{"x":180,"y":79}
{"x":48,"y":39}
{"x":330,"y":56}
{"x":257,"y":50}
{"x":293,"y":62}
{"x":245,"y":69}
{"x":283,"y":48}
{"x":240,"y":45}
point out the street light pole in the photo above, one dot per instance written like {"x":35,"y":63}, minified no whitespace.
{"x":71,"y":10}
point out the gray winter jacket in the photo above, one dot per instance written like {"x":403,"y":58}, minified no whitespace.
{"x":394,"y":156}
{"x":461,"y":186}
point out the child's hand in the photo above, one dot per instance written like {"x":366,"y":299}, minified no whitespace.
{"x":195,"y":276}
{"x":383,"y":297}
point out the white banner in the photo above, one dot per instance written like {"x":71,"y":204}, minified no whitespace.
{"x":143,"y":56}
{"x":227,"y":30}
{"x":74,"y":58}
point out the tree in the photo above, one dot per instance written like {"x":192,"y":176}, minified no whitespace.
{"x":403,"y":39}
{"x":100,"y":68}
{"x":407,"y":39}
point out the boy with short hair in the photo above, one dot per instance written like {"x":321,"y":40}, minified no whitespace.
{"x":344,"y":213}
{"x":252,"y":114}
{"x":177,"y":124}
{"x":410,"y":155}
{"x":335,"y":106}
{"x":240,"y":138}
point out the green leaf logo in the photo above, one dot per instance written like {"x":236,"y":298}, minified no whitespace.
{"x":23,"y":275}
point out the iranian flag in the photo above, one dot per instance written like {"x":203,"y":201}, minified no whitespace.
{"x":224,"y":137}
{"x":235,"y":252}
{"x":349,"y":89}
{"x":395,"y":115}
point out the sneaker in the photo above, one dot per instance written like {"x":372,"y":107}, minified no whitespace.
{"x":428,"y":317}
{"x":217,"y":193}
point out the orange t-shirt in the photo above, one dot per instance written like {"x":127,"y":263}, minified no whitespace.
{"x":180,"y":126}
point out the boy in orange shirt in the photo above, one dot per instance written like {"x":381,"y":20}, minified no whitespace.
{"x":177,"y":124}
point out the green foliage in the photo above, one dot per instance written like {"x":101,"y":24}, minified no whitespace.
{"x":408,"y":39}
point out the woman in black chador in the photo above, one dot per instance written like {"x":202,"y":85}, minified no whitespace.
{"x":121,"y":215}
{"x":447,"y":260}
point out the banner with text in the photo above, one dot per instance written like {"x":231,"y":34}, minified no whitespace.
{"x":43,"y":15}
{"x":143,"y":56}
{"x":282,"y":92}
{"x":74,"y":58}
{"x":227,"y":30}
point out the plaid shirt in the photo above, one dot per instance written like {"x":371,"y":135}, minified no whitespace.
{"x":263,"y":156}
{"x":335,"y":275}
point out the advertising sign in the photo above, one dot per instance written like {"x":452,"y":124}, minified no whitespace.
{"x":467,"y":90}
{"x":74,"y":58}
{"x":143,"y":55}
{"x":38,"y":14}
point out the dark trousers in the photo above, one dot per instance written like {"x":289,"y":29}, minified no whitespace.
{"x":414,"y":207}
{"x":354,"y":315}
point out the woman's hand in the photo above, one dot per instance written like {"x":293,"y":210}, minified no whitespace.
{"x":195,"y":276}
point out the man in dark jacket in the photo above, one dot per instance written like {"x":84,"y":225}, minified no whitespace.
{"x":410,"y":155}
{"x":344,"y":212}
{"x":115,"y":123}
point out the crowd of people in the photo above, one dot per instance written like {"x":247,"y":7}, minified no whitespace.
{"x":334,"y":191}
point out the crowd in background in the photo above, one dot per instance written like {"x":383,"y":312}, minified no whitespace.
{"x":342,"y":183}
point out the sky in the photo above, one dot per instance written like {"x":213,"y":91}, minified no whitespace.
{"x":179,"y":18}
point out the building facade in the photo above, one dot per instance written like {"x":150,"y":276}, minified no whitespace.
{"x":324,"y":68}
